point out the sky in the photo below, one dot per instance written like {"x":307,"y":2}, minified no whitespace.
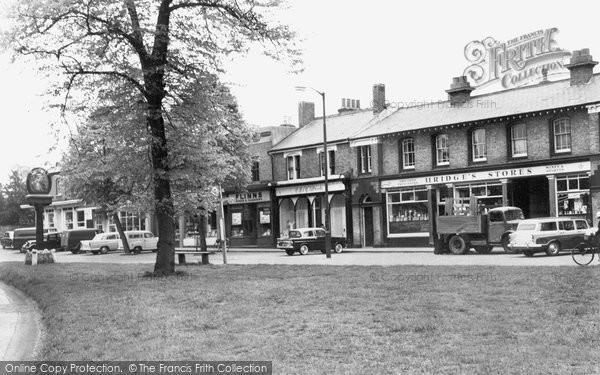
{"x":414,"y":48}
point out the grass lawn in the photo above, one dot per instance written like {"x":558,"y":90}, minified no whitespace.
{"x":324,"y":319}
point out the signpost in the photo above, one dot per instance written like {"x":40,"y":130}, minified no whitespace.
{"x":39,"y":184}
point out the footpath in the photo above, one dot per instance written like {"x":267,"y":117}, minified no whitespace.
{"x":20,"y":325}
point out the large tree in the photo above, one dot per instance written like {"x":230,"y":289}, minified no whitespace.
{"x":158,"y":47}
{"x":13,"y":196}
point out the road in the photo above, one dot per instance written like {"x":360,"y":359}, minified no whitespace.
{"x":378,"y":256}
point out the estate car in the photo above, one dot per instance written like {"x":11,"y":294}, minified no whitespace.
{"x":303,"y":240}
{"x":550,"y":235}
{"x":139,"y":240}
{"x":101,"y":243}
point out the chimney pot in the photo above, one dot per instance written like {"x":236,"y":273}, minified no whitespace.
{"x":460,"y":91}
{"x":581,"y":67}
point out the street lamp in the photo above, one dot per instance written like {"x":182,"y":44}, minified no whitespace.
{"x":326,"y":173}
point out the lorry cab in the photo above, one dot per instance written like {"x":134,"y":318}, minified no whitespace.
{"x":500,"y":221}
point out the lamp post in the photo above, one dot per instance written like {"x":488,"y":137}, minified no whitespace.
{"x":326,"y":173}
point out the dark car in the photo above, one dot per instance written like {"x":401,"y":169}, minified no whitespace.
{"x":303,"y":240}
{"x":71,"y":239}
{"x":7,"y":239}
{"x":51,"y":241}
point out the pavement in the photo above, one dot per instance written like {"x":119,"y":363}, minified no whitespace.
{"x":20,"y":325}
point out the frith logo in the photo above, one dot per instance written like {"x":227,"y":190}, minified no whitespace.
{"x":518,"y":62}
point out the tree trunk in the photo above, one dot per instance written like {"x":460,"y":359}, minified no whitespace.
{"x":121,"y":233}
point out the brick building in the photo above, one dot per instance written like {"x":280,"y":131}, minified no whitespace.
{"x":529,"y":147}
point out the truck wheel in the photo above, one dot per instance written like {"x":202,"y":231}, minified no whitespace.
{"x":483,"y":249}
{"x":458,"y":245}
{"x":505,"y":241}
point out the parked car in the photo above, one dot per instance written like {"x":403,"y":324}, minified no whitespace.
{"x":51,"y":241}
{"x":101,"y":243}
{"x":139,"y":240}
{"x":550,"y":235}
{"x":22,"y":235}
{"x":71,"y":239}
{"x":303,"y":240}
{"x":7,"y":239}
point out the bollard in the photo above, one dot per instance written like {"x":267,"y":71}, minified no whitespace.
{"x":34,"y":257}
{"x":52,"y":257}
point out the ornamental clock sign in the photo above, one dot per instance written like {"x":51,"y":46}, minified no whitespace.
{"x":520,"y":61}
{"x":38,"y":182}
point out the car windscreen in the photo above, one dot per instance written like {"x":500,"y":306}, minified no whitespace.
{"x":526,"y":226}
{"x":514,"y":215}
{"x":295,"y":234}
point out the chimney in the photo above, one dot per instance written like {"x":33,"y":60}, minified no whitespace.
{"x":349,"y":105}
{"x":460,"y":91}
{"x":306,"y":113}
{"x":378,"y":98}
{"x":581,"y":67}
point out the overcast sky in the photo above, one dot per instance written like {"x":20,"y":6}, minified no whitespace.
{"x":414,"y":48}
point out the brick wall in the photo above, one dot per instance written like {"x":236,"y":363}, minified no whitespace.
{"x":585,"y":139}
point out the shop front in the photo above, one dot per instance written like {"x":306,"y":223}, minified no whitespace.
{"x":248,"y":219}
{"x":301,"y":206}
{"x":411,"y":204}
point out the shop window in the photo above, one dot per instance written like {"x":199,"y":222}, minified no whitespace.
{"x":293,"y":167}
{"x":442,"y":151}
{"x":518,"y":140}
{"x":478,"y":147}
{"x":80,"y":219}
{"x":573,"y":194}
{"x":237,"y":229}
{"x":264,"y":216}
{"x":407,"y":211}
{"x":408,"y":153}
{"x":255,"y":171}
{"x":49,"y":218}
{"x":561,"y":129}
{"x":330,"y":160}
{"x":364,"y":159}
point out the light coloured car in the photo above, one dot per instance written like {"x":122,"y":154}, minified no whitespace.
{"x":101,"y":243}
{"x":139,"y":240}
{"x":550,"y":235}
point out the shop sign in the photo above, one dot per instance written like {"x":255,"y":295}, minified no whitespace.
{"x":517,"y":62}
{"x":259,"y":196}
{"x":488,"y":175}
{"x":309,"y":189}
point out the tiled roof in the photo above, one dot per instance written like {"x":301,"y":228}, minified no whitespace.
{"x":339,"y":128}
{"x":528,"y":99}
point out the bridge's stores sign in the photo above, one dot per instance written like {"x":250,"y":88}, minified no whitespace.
{"x":488,"y":175}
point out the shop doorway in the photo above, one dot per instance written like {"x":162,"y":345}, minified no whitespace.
{"x":532,"y":196}
{"x":368,"y":217}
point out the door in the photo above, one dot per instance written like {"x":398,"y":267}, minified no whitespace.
{"x":496,"y":226}
{"x":368,"y":226}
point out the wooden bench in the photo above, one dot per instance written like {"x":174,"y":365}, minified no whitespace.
{"x":182,"y":253}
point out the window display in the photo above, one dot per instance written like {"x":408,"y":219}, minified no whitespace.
{"x":573,"y":194}
{"x":407,"y":211}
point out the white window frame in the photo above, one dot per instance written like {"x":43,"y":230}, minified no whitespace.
{"x":408,"y":155}
{"x":478,"y":146}
{"x":293,"y":172}
{"x":514,"y":138}
{"x":562,"y":128}
{"x":441,"y":149}
{"x":331,"y":156}
{"x":366,"y":164}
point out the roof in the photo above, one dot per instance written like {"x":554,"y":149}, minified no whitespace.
{"x":340,"y":127}
{"x":551,"y":95}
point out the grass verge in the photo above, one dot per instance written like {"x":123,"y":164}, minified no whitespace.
{"x":324,"y":319}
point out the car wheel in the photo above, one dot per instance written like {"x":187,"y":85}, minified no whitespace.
{"x":289,"y":252}
{"x":303,"y":249}
{"x":528,"y":253}
{"x":137,"y":250}
{"x":458,"y":245}
{"x":95,"y":252}
{"x":103,"y":250}
{"x":338,"y":248}
{"x":483,"y":249}
{"x":553,"y":248}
